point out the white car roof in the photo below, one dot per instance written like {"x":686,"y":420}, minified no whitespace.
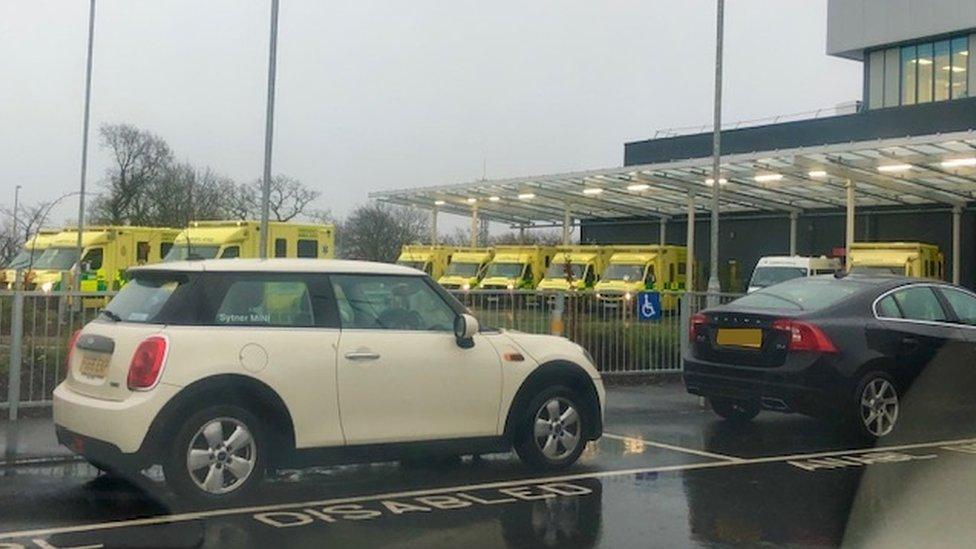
{"x":281,"y":265}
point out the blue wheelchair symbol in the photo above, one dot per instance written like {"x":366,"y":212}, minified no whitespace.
{"x":649,"y":306}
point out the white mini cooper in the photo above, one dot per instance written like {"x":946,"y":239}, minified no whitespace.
{"x":222,"y":370}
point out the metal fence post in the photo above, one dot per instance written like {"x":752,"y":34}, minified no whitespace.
{"x":16,"y":359}
{"x":684,"y":316}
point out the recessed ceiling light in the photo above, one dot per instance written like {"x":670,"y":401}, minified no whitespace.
{"x":439,"y":202}
{"x":526,"y":196}
{"x":959,"y":162}
{"x":817,"y":173}
{"x":765,"y":178}
{"x":472,"y":200}
{"x":924,"y":61}
{"x":637,"y":187}
{"x":592,"y":190}
{"x":494,"y":198}
{"x":711,"y":181}
{"x":891,"y":168}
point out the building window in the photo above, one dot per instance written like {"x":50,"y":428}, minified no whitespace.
{"x":921,"y":73}
{"x":876,"y":80}
{"x":891,"y":80}
{"x":959,"y":73}
{"x":942,"y":70}
{"x":925,"y":73}
{"x":909,"y":66}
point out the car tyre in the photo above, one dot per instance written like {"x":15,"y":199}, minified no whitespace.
{"x":876,"y":407}
{"x":552,"y":429}
{"x":734,"y":410}
{"x":218,"y":454}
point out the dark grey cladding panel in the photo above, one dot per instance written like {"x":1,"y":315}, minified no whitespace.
{"x":916,"y":120}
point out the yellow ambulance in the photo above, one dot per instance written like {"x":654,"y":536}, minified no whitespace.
{"x":915,"y":259}
{"x":106,"y":253}
{"x":516,"y":268}
{"x":466,"y":268}
{"x":634,"y":269}
{"x":27,"y":257}
{"x":576,"y":267}
{"x":232,"y":239}
{"x":432,"y":260}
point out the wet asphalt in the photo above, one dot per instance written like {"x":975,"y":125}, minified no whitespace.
{"x":668,"y":474}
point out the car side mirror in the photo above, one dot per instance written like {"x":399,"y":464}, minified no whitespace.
{"x":465,"y":326}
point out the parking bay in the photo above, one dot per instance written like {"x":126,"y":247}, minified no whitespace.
{"x":668,"y":473}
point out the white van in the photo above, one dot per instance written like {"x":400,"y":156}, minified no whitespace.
{"x":775,"y":269}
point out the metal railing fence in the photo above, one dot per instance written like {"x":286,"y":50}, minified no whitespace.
{"x":620,"y":340}
{"x":36,"y":328}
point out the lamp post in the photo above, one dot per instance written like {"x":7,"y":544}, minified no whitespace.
{"x":16,"y":207}
{"x":269,"y":129}
{"x":714,"y":286}
{"x":84,"y":141}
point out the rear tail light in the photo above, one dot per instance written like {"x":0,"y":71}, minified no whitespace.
{"x":698,"y":322}
{"x":71,"y":352}
{"x":147,"y":363}
{"x":804,"y":336}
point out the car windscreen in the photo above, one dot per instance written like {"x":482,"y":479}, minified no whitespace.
{"x":625,"y":272}
{"x":22,"y":259}
{"x":559,"y":270}
{"x":419,"y":265}
{"x":504,"y":270}
{"x":57,"y":259}
{"x":143,"y":298}
{"x":802,"y":294}
{"x":767,"y":276}
{"x":180,"y":252}
{"x":462,"y":269}
{"x":878,"y":270}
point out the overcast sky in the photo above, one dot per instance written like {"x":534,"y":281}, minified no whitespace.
{"x":389,"y":94}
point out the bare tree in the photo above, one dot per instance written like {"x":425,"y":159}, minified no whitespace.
{"x":30,"y":219}
{"x":139,"y":159}
{"x":377,"y":231}
{"x":288,"y":198}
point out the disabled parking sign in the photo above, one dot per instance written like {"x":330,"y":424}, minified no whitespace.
{"x":649,"y":306}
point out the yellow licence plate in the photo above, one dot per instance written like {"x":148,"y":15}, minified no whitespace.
{"x":95,"y":364}
{"x":739,"y":337}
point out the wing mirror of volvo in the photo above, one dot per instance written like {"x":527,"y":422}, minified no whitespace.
{"x":465,"y":326}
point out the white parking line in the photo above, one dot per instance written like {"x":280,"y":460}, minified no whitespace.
{"x":184,"y":517}
{"x":692,"y":451}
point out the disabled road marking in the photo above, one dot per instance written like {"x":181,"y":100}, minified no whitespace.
{"x":255,"y":509}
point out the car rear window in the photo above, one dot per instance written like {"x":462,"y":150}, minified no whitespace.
{"x":143,"y":298}
{"x":802,"y":294}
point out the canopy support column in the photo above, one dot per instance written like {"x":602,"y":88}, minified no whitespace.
{"x":849,"y":223}
{"x":474,"y":226}
{"x":433,"y":226}
{"x":793,"y":219}
{"x":956,"y":243}
{"x":662,"y":231}
{"x":567,"y":224}
{"x":690,"y":244}
{"x":521,"y":234}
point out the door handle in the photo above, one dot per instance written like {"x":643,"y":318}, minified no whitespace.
{"x":909,"y":342}
{"x":362,"y":355}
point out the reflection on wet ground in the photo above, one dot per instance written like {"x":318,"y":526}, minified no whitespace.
{"x":675,"y":476}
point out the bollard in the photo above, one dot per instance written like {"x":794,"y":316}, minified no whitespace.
{"x":556,"y":316}
{"x":685,"y":319}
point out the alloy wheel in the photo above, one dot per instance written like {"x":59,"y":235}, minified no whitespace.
{"x":221,"y":455}
{"x":557,"y":429}
{"x":879,"y":407}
